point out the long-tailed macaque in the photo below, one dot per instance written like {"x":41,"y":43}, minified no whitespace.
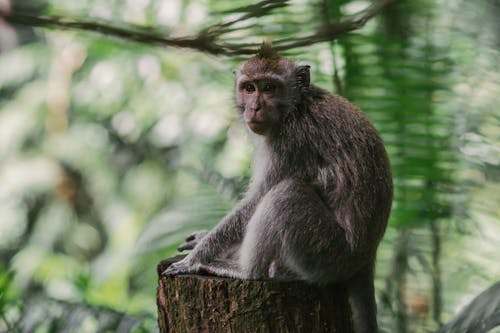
{"x":320,"y":195}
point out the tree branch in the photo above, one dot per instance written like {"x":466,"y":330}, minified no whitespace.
{"x":210,"y":39}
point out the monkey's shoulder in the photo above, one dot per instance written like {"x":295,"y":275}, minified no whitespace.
{"x":334,"y":110}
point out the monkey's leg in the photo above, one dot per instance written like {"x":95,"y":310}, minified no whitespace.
{"x":293,"y":228}
{"x":225,"y":268}
{"x":261,"y":250}
{"x":291,"y":234}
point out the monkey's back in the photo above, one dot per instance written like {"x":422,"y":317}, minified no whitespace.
{"x":336,"y":148}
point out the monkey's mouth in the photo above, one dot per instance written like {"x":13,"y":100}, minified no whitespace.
{"x":258,"y":127}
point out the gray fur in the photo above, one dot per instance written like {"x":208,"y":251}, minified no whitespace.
{"x":320,"y":196}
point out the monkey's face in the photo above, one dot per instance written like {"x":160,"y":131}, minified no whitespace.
{"x":267,"y":88}
{"x":260,"y":102}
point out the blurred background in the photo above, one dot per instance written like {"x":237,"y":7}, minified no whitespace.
{"x":112,"y":151}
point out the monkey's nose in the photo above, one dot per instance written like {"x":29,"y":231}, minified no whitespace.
{"x":256,"y":107}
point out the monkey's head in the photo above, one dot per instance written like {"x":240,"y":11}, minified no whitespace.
{"x":268,"y":86}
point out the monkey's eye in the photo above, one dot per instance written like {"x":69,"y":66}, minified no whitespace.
{"x":268,"y":87}
{"x":249,"y":87}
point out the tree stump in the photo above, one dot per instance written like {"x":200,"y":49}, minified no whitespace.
{"x":200,"y":303}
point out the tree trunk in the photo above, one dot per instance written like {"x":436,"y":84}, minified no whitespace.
{"x":198,"y":303}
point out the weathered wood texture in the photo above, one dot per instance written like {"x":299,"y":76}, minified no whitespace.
{"x":197,"y":303}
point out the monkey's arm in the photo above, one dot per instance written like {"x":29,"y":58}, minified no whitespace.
{"x":219,"y":240}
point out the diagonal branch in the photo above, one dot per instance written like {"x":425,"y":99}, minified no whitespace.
{"x":210,"y":39}
{"x":201,"y":42}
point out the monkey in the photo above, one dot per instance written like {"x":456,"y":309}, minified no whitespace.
{"x":320,"y":194}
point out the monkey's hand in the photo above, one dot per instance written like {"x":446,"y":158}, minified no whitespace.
{"x":192,"y":240}
{"x":185,"y":266}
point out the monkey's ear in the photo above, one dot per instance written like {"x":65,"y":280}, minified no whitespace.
{"x":303,"y":77}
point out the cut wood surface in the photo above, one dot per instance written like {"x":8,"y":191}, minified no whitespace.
{"x":201,"y":303}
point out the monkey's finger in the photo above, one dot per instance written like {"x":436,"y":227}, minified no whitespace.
{"x":168,"y":271}
{"x":196,"y":235}
{"x":172,"y":270}
{"x":191,"y":237}
{"x":187,"y":246}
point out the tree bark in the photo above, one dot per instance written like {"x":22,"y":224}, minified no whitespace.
{"x":200,"y":303}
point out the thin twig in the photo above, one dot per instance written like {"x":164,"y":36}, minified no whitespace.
{"x":337,"y":82}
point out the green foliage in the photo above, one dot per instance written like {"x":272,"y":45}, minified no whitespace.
{"x":40,"y":314}
{"x":112,"y":152}
{"x":481,"y":315}
{"x":8,"y":299}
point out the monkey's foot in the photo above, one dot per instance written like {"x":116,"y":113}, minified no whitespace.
{"x":181,"y":267}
